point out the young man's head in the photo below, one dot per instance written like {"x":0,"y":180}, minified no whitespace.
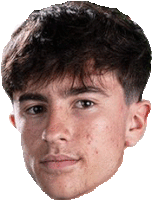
{"x":75,"y":74}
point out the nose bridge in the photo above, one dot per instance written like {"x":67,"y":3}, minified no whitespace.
{"x":57,"y":125}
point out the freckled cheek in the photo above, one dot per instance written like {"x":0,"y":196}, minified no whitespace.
{"x":115,"y":135}
{"x":31,"y":135}
{"x":104,"y":132}
{"x":91,"y":131}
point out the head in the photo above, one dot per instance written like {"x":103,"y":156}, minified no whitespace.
{"x":75,"y":74}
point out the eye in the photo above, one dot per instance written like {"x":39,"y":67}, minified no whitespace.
{"x":84,"y":104}
{"x":35,"y":110}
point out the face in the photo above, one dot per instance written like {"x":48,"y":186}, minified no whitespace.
{"x":73,"y":139}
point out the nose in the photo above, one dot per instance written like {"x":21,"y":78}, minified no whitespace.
{"x":57,"y":128}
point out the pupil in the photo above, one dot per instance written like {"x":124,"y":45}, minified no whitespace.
{"x":86,"y":103}
{"x":37,"y":109}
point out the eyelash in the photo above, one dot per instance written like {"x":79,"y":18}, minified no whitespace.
{"x":84,"y":104}
{"x":31,"y":110}
{"x":81,"y":104}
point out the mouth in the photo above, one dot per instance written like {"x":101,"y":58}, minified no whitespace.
{"x":59,"y":162}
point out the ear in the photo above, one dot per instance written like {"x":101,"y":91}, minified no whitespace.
{"x":137,"y":122}
{"x":12,"y":120}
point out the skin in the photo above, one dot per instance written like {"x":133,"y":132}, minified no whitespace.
{"x":97,"y":134}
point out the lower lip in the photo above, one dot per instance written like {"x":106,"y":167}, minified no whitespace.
{"x":59,"y":164}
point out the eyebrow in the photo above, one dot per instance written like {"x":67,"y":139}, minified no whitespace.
{"x":32,"y":96}
{"x":71,"y":92}
{"x":85,"y":89}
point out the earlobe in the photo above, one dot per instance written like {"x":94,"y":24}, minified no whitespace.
{"x":138,"y":122}
{"x":12,"y":120}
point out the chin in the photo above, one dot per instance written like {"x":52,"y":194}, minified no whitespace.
{"x":65,"y":194}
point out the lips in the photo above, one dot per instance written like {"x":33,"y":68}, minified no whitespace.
{"x":58,"y":158}
{"x":58,"y":161}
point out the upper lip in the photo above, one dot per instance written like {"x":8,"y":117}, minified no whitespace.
{"x":58,"y":158}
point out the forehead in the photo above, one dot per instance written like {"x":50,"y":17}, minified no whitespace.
{"x":107,"y":84}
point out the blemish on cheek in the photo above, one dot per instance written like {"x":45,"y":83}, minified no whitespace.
{"x":89,"y":138}
{"x":96,"y":151}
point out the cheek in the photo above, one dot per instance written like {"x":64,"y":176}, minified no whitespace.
{"x":91,"y":134}
{"x":102,"y":142}
{"x":103,"y":134}
{"x":31,"y":135}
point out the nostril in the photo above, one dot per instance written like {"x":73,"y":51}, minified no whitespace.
{"x":62,"y":139}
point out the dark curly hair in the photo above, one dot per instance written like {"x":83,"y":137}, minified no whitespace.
{"x":60,"y":39}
